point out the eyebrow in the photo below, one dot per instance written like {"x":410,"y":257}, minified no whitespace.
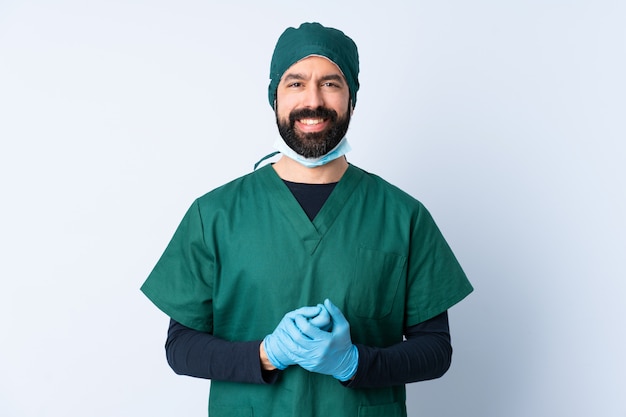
{"x":299,"y":76}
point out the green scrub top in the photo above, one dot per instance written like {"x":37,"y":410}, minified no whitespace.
{"x":246,"y":253}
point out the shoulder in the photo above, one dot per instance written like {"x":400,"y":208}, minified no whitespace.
{"x":378,"y":187}
{"x":235,"y":189}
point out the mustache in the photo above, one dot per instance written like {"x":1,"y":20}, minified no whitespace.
{"x":318,"y":113}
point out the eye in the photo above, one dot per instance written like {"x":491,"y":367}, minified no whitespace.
{"x":332,"y":84}
{"x":295,"y":85}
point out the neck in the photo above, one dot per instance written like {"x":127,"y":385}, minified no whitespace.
{"x":290,"y":170}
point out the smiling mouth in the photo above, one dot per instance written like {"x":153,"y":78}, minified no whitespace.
{"x":311,"y":122}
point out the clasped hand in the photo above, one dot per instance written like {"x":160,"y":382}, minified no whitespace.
{"x":316,"y":338}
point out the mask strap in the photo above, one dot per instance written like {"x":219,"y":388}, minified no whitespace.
{"x":264,"y":158}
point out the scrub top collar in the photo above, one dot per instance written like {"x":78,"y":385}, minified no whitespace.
{"x":311,"y":232}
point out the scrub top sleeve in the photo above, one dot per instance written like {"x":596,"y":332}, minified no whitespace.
{"x":181,"y":283}
{"x":436,"y":280}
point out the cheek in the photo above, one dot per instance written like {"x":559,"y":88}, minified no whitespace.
{"x":340,"y":104}
{"x":282,"y":115}
{"x":283,"y":107}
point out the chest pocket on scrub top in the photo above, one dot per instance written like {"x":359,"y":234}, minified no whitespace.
{"x":375,"y":282}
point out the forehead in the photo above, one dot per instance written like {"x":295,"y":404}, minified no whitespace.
{"x":313,"y":65}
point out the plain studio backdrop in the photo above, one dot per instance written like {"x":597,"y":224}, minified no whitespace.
{"x":506,"y":119}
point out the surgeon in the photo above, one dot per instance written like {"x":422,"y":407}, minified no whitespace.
{"x":308,"y":287}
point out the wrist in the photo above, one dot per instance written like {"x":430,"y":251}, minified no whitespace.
{"x":351,"y":366}
{"x":266,"y":364}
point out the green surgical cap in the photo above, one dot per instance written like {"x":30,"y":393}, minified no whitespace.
{"x":314,"y":39}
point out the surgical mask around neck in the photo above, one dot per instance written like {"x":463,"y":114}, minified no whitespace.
{"x":341,"y":149}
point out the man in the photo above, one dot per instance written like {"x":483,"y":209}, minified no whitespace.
{"x":308,"y":287}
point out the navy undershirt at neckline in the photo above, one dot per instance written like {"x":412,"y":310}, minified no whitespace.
{"x":310,"y":196}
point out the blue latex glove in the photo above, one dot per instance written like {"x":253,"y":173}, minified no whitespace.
{"x":316,"y":350}
{"x":278,"y":344}
{"x":322,"y":320}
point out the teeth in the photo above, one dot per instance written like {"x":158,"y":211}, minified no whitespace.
{"x":311,"y":121}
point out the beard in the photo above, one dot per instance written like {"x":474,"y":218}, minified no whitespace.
{"x":314,"y":144}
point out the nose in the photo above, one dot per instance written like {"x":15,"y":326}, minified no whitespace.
{"x":313,"y":97}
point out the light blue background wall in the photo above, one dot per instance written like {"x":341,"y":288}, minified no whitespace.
{"x":507,"y":119}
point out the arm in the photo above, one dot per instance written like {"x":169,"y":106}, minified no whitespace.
{"x":425,"y":354}
{"x":202,"y":355}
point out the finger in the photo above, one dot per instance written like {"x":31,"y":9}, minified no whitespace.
{"x":332,"y":309}
{"x":309,"y":330}
{"x":322,"y":320}
{"x":289,"y":329}
{"x":307,"y":311}
{"x":337,"y":316}
{"x":293,"y":340}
